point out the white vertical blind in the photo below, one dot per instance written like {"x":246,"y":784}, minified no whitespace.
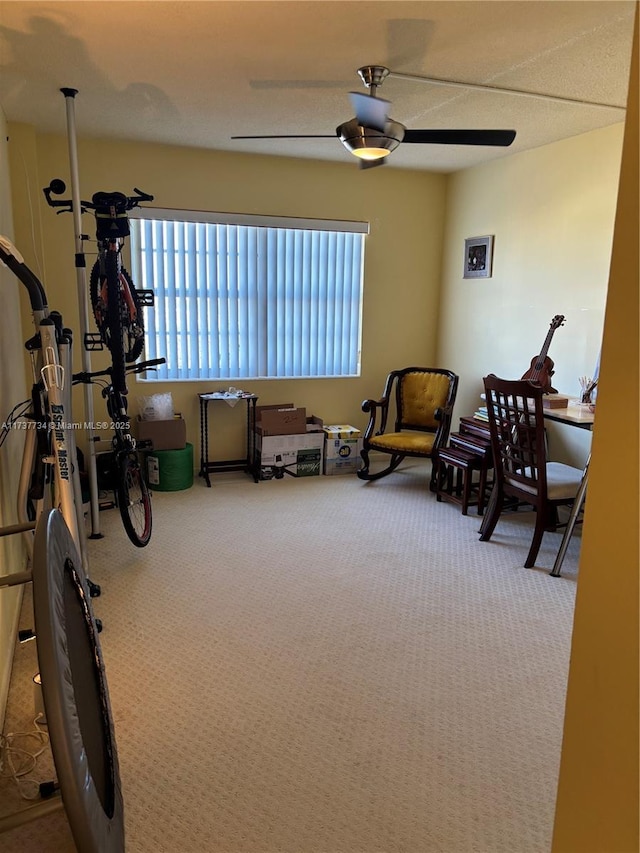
{"x":240,"y":301}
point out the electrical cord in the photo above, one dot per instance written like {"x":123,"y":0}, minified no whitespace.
{"x":16,"y":762}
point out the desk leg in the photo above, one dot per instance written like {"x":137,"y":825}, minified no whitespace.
{"x":571,"y":523}
{"x":251,"y":439}
{"x":204,"y":442}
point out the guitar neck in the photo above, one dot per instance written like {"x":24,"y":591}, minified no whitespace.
{"x":545,"y":349}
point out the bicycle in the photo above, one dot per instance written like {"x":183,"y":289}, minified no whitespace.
{"x":117,"y":304}
{"x":49,"y":474}
{"x":117,"y":307}
{"x":132,"y":493}
{"x":51,"y":517}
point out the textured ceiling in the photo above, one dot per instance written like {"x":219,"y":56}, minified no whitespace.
{"x":196,"y":73}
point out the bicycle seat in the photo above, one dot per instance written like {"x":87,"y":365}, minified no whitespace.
{"x":117,"y":200}
{"x":111,"y":215}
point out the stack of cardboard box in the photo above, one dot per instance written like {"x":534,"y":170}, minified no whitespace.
{"x":288,"y":442}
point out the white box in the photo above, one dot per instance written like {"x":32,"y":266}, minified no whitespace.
{"x":331,"y":467}
{"x":341,"y":431}
{"x":342,"y":447}
{"x":299,"y":455}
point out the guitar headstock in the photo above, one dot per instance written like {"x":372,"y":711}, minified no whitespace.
{"x":557,"y":321}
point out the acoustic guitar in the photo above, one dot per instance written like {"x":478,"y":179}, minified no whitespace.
{"x":541,"y":368}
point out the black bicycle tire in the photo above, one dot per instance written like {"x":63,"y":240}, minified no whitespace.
{"x":114,"y":322}
{"x":96,"y":302}
{"x":135,"y":341}
{"x":135,"y":346}
{"x":128,"y":465}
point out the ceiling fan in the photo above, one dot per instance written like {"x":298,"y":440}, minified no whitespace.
{"x":372,"y":135}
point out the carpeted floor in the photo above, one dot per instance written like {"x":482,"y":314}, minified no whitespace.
{"x":325,"y":666}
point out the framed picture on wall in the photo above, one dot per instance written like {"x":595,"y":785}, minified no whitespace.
{"x":478,"y":257}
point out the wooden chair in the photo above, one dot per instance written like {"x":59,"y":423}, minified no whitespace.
{"x":424,"y":398}
{"x":522,"y":472}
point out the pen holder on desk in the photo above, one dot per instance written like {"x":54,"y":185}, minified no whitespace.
{"x":588,"y":387}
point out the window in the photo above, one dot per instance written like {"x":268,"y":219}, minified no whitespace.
{"x":248,"y":297}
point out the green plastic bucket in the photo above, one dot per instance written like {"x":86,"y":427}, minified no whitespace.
{"x":170,"y":470}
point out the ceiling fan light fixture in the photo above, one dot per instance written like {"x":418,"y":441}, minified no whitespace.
{"x":367,"y":143}
{"x":370,"y":153}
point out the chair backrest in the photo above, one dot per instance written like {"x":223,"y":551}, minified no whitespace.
{"x":516,"y":423}
{"x":420,"y":393}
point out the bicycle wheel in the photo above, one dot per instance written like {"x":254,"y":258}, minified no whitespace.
{"x":132,"y":321}
{"x":114,"y":322}
{"x":75,"y":692}
{"x":134,"y":500}
{"x":132,"y":317}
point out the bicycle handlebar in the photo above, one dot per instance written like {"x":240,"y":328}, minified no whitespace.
{"x":12,"y":258}
{"x":87,"y":377}
{"x":100,"y":201}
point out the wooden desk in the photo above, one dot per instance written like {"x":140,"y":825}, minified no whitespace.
{"x":576,"y":415}
{"x":580,"y":416}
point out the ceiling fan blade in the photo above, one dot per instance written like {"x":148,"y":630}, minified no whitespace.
{"x":502,"y":138}
{"x":370,"y":112}
{"x":290,"y":136}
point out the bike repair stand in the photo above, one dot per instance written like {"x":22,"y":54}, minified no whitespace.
{"x":83,"y":305}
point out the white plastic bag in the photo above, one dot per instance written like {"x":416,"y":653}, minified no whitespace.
{"x":157,"y":407}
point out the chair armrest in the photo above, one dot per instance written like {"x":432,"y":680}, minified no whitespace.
{"x":443,"y":414}
{"x":372,"y":407}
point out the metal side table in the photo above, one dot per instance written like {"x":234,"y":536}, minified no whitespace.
{"x":248,"y":464}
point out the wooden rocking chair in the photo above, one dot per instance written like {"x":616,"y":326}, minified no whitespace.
{"x":424,"y":398}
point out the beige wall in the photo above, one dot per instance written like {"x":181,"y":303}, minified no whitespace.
{"x":12,"y":391}
{"x":402,"y":267}
{"x":598,"y":797}
{"x":551,"y":211}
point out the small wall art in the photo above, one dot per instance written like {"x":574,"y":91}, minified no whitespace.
{"x":478,"y":257}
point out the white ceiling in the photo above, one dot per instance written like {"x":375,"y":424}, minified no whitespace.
{"x":196,"y":73}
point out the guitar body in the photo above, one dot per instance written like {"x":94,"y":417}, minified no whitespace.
{"x":541,"y":368}
{"x":540,"y":373}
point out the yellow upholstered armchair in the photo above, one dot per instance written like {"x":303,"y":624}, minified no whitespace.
{"x":424,"y":398}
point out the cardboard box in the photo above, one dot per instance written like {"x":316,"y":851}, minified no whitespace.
{"x":342,"y":447}
{"x":333,"y":467}
{"x":315,"y":424}
{"x":342,"y":431}
{"x":281,"y":419}
{"x":164,"y":434}
{"x":298,"y":455}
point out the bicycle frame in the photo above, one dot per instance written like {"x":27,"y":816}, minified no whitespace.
{"x":50,"y":453}
{"x":69,"y":652}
